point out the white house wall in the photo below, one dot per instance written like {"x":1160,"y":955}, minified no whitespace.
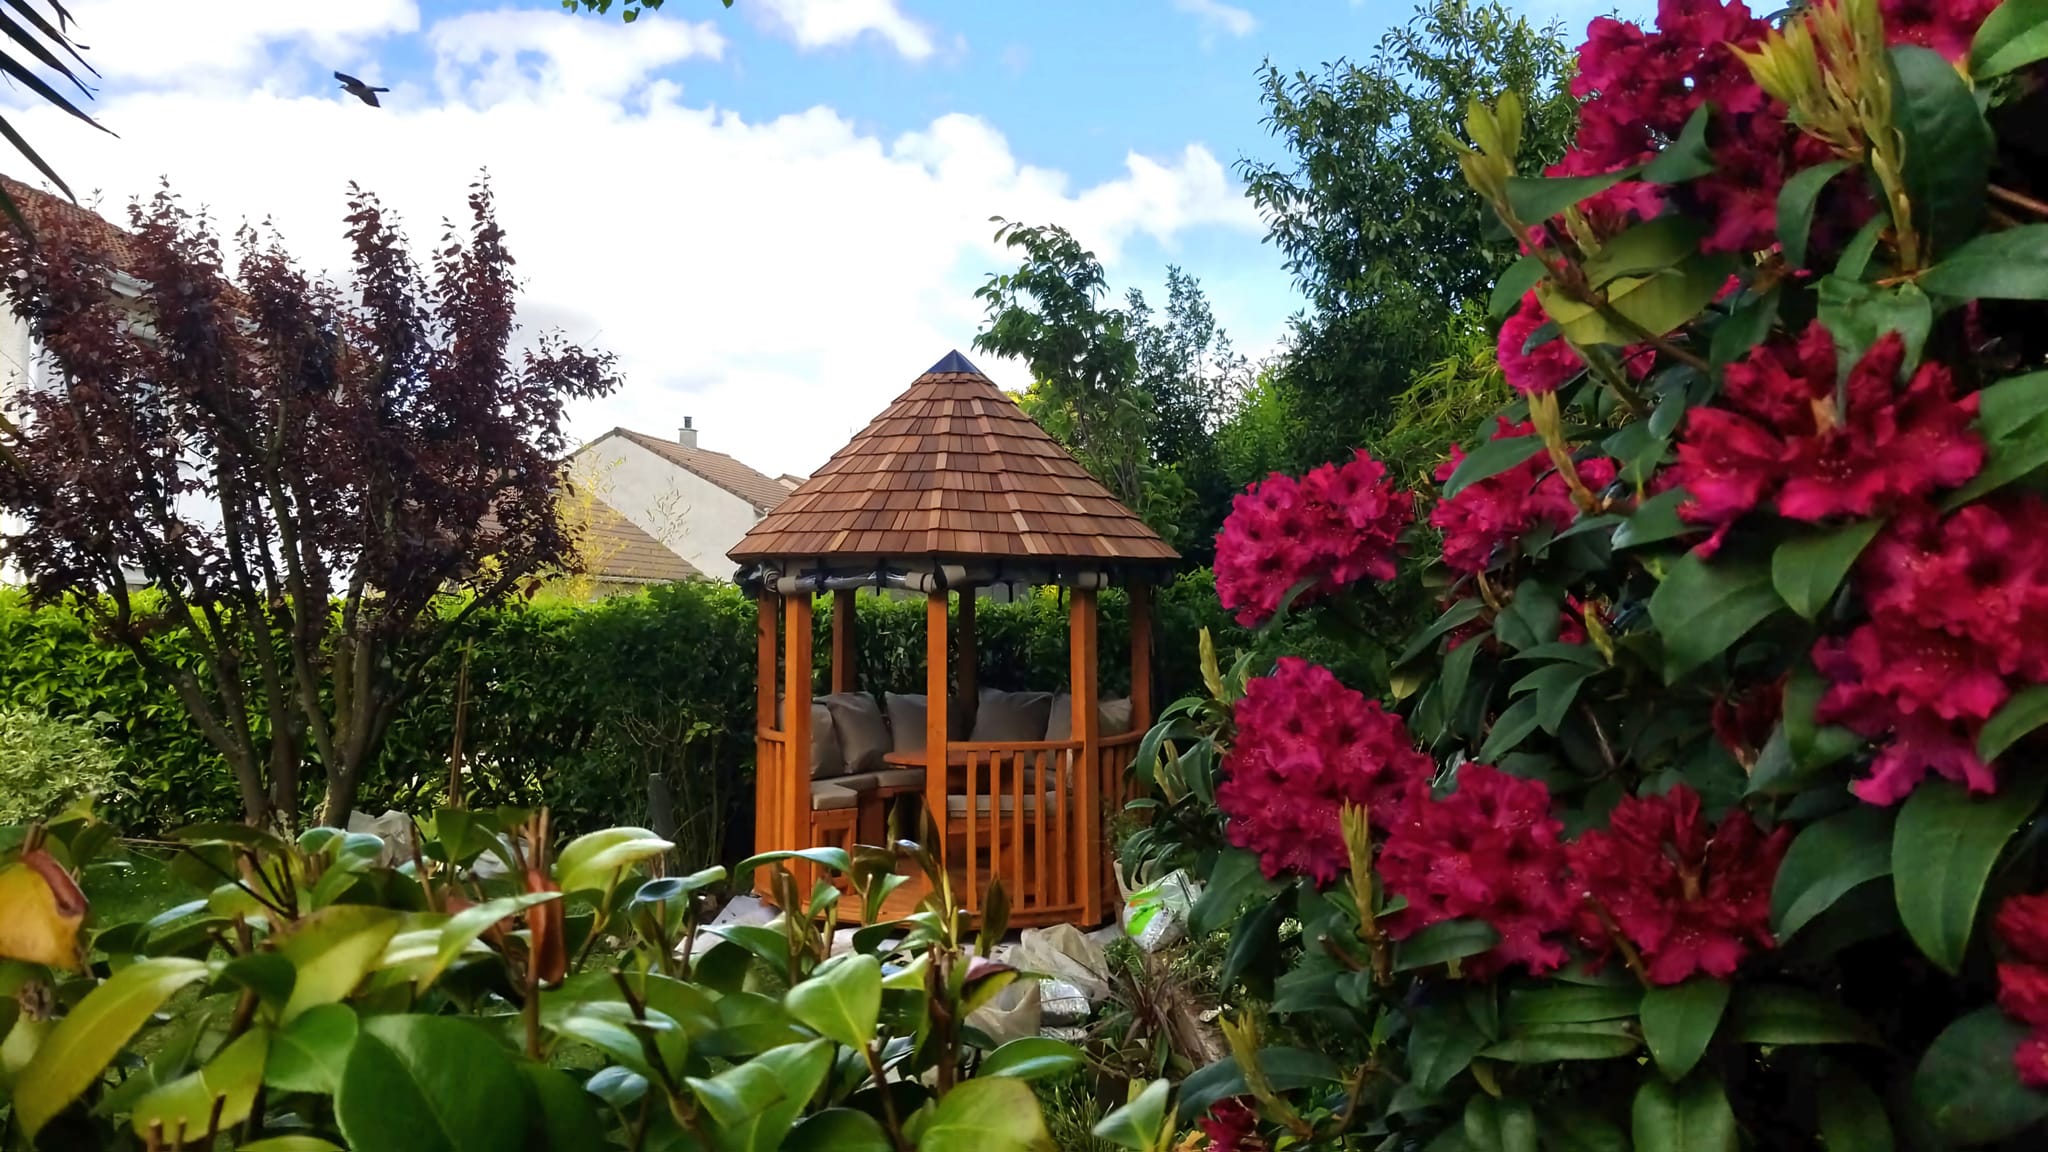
{"x":17,"y":372}
{"x":697,"y":519}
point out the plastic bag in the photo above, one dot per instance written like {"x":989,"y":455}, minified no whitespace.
{"x":1012,"y":1015}
{"x":1061,"y":1003}
{"x":1062,"y":952}
{"x":1157,"y":914}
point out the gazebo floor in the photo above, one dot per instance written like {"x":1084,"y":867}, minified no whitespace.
{"x":907,"y":896}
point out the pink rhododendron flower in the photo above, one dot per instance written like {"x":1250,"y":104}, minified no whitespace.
{"x":1339,"y":524}
{"x":1231,"y":1126}
{"x":1543,"y":369}
{"x":1306,"y":745}
{"x":1958,"y":622}
{"x":1779,"y":437}
{"x":1489,"y":850}
{"x":1639,"y":88}
{"x":1498,"y":510}
{"x":1689,"y":898}
{"x":2022,"y":926}
{"x":1947,"y":26}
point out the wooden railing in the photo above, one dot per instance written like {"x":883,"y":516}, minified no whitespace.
{"x":1022,"y":821}
{"x":773,"y":803}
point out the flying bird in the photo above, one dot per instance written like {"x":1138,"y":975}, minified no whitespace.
{"x":359,"y":90}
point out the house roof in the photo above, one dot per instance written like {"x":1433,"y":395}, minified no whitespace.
{"x":953,"y":468}
{"x":761,"y":491}
{"x":619,"y":552}
{"x":45,"y":208}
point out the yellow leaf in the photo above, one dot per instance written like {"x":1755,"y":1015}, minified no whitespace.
{"x":41,"y":909}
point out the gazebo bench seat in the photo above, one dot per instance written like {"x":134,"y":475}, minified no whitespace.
{"x":830,"y":796}
{"x":887,"y":780}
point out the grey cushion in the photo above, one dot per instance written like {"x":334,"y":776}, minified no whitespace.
{"x":826,"y":797}
{"x":891,"y":779}
{"x":1011,"y":717}
{"x":863,"y":735}
{"x":825,"y":758}
{"x":908,"y":716}
{"x":1112,"y":717}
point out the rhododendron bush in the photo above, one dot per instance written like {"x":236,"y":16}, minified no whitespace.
{"x":1706,"y":814}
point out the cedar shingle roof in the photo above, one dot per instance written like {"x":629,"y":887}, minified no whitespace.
{"x":953,"y":468}
{"x":618,"y":552}
{"x":763,"y":492}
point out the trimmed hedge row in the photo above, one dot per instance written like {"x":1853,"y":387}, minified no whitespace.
{"x":571,"y":705}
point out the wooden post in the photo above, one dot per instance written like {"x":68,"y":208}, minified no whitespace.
{"x":1141,"y":657}
{"x":935,"y":710}
{"x":795,"y":826}
{"x":968,"y":675}
{"x":767,"y":764}
{"x":1087,"y":730}
{"x":843,"y":677}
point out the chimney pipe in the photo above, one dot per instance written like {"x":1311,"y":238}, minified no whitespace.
{"x":687,"y":434}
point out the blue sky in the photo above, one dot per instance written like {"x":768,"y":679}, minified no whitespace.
{"x":775,"y":213}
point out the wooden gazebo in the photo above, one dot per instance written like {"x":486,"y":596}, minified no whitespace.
{"x":952,"y":489}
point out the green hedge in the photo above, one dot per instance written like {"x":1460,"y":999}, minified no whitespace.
{"x":571,"y":705}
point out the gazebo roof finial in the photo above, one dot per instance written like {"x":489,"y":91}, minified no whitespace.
{"x":954,"y":362}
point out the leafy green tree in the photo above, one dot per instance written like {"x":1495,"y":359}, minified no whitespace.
{"x":1137,"y":394}
{"x":1372,"y":214}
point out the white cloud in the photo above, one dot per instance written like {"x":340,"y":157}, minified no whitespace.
{"x":779,"y":280}
{"x":214,"y":43}
{"x":825,"y":23}
{"x":1217,"y":17}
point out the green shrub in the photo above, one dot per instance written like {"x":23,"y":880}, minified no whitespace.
{"x":46,"y":764}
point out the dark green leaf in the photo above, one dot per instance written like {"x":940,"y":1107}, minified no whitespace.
{"x":1966,"y":1084}
{"x":1744,"y":329}
{"x":1531,"y":616}
{"x":2024,"y":712}
{"x":1857,"y":315}
{"x":1689,"y":1117}
{"x":2011,"y":404}
{"x":756,"y":1103}
{"x":1457,"y":672}
{"x":1459,"y":613}
{"x":838,"y":1130}
{"x":1855,"y":261}
{"x":1687,"y":157}
{"x":1285,"y":1068}
{"x":430,"y":1084}
{"x":1576,"y":1130}
{"x":2007,"y":265}
{"x":1806,"y":570}
{"x":1701,"y":608}
{"x":1442,"y":1040}
{"x":1541,"y":1045}
{"x":1536,"y":198}
{"x":841,"y":1000}
{"x":1948,"y":146}
{"x":2013,"y":36}
{"x":1826,"y":860}
{"x":1499,"y":1125}
{"x":1031,"y":1058}
{"x":1813,"y":746}
{"x":2017,"y":455}
{"x":1795,"y":208}
{"x":1234,"y":882}
{"x":310,"y":1053}
{"x":1136,"y":1125}
{"x":565,"y":1119}
{"x":1653,"y":520}
{"x":1442,"y":942}
{"x":1942,"y":852}
{"x":616,"y":1086}
{"x":1512,"y":727}
{"x":1491,"y":459}
{"x":1570,"y":1004}
{"x":1679,"y":1020}
{"x":1777,"y":1014}
{"x":1645,"y":249}
{"x":1514,"y":284}
{"x":1852,"y":1117}
{"x":1256,"y":939}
